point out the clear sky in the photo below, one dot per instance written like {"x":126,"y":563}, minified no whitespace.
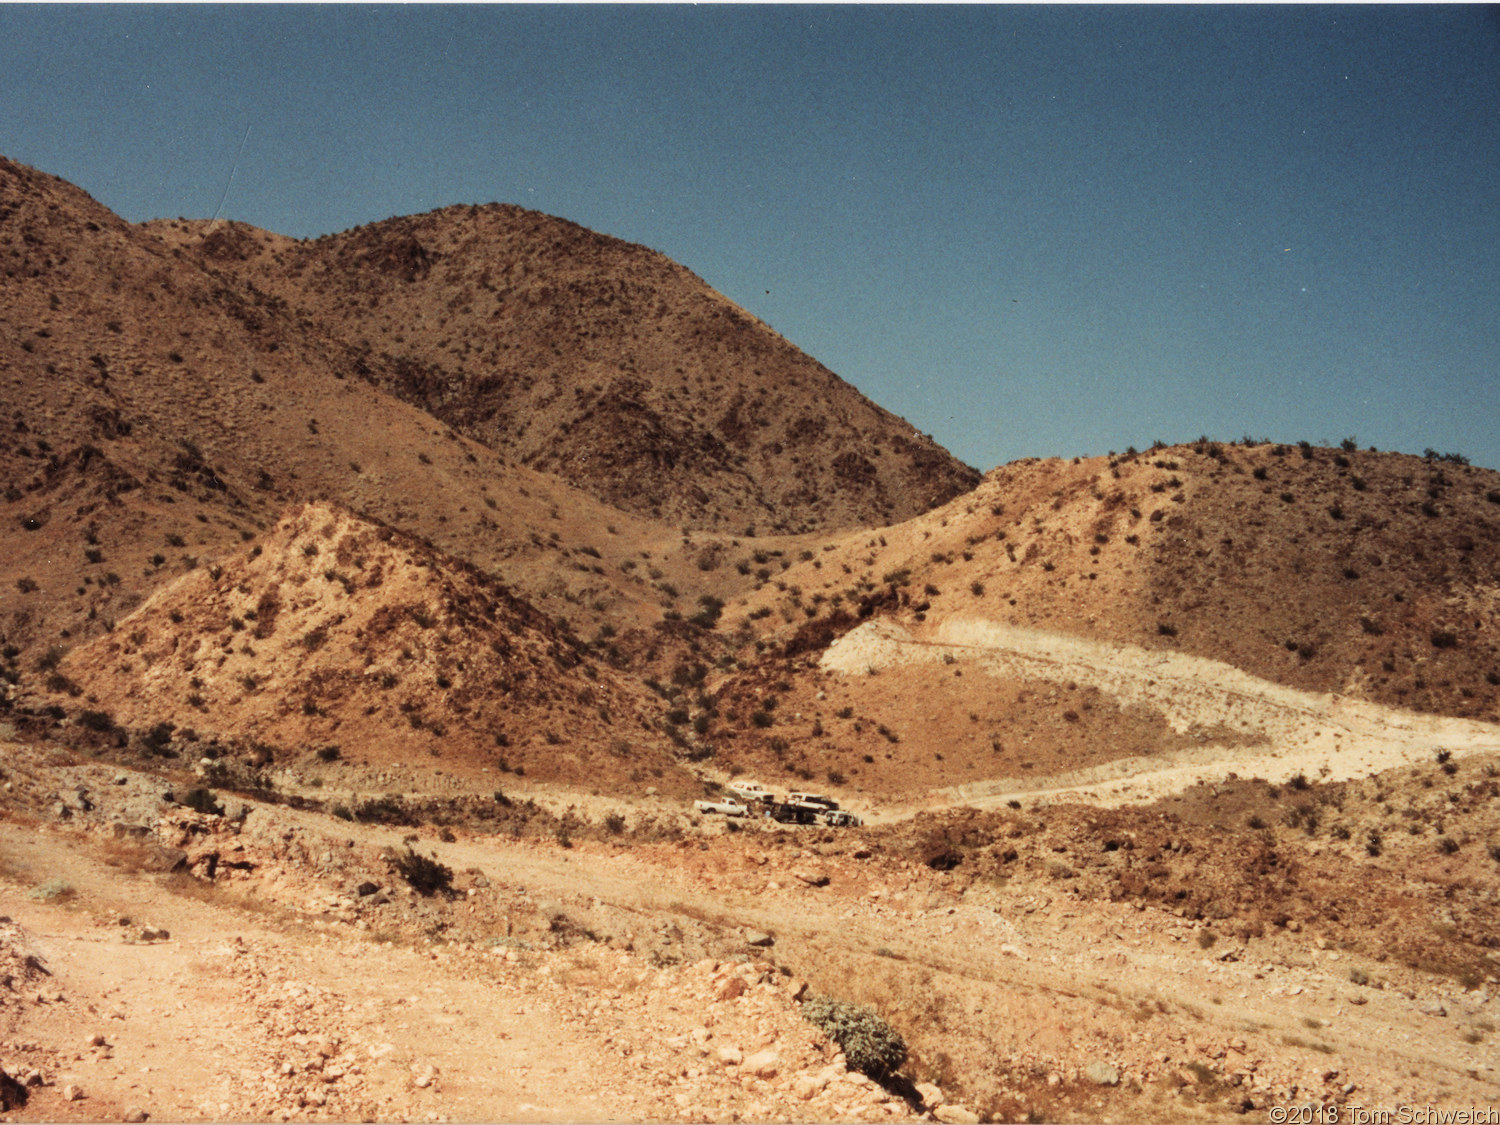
{"x":1032,"y":231}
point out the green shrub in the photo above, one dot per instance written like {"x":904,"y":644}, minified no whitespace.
{"x":870,"y":1045}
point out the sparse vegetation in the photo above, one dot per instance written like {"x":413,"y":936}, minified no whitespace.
{"x":425,"y":874}
{"x":870,"y":1045}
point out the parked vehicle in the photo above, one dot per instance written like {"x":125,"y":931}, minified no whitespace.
{"x":727,"y":806}
{"x":791,"y":812}
{"x":748,"y":791}
{"x":836,"y":818}
{"x":812,"y":799}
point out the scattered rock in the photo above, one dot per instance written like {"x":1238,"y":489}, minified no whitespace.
{"x":1102,"y":1074}
{"x":956,"y":1115}
{"x":763,"y":1064}
{"x":731,"y":1056}
{"x":810,"y":877}
{"x":134,"y":1115}
{"x":72,"y":1093}
{"x":759,"y":938}
{"x":1432,"y":1008}
{"x":931,"y":1094}
{"x":732,"y":987}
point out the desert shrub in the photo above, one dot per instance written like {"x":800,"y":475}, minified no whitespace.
{"x":202,"y":800}
{"x":870,"y":1045}
{"x":329,"y":753}
{"x":58,"y":890}
{"x":158,"y":739}
{"x":383,"y":810}
{"x":615,"y":822}
{"x":424,"y":873}
{"x":98,"y":721}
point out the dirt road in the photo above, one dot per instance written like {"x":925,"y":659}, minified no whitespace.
{"x":1245,"y":726}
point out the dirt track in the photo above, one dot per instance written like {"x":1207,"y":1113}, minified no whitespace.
{"x":1276,"y":732}
{"x":281,"y":994}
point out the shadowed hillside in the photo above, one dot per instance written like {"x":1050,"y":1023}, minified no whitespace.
{"x":598,"y":360}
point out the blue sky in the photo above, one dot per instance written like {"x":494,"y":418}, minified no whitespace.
{"x":1032,"y":231}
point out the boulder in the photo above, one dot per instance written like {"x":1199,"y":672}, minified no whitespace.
{"x":763,"y":1064}
{"x":163,"y":859}
{"x":731,"y":988}
{"x":1102,"y":1074}
{"x":955,"y":1115}
{"x":931,"y":1094}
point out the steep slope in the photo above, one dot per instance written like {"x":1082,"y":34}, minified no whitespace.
{"x":600,"y":361}
{"x":333,"y":631}
{"x":154,"y":414}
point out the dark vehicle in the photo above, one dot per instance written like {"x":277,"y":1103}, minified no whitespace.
{"x":790,"y":812}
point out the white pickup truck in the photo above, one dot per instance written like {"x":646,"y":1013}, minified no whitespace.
{"x":727,"y":806}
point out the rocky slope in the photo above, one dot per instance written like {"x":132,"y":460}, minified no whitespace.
{"x":597,"y":360}
{"x":1373,"y":575}
{"x":338,"y":640}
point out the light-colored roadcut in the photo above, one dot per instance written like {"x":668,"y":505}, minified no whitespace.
{"x":1245,"y":725}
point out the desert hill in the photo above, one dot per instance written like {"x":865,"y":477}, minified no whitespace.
{"x":334,"y":632}
{"x":158,"y":414}
{"x":1373,"y":575}
{"x":597,"y":360}
{"x":1370,"y":576}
